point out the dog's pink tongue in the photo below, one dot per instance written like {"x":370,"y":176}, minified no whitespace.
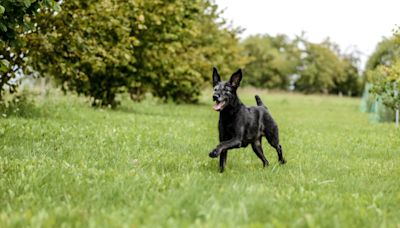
{"x":217,"y":107}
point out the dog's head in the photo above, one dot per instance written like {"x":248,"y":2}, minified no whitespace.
{"x":225,"y":92}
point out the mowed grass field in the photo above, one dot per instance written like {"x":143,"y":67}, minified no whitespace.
{"x":147,"y":165}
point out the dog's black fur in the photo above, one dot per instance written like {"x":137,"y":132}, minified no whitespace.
{"x":239,"y":125}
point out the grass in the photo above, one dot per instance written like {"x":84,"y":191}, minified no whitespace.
{"x":147,"y":165}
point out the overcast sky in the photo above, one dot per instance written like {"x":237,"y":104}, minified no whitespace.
{"x":349,"y":23}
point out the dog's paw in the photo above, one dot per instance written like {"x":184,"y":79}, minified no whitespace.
{"x":266,"y":163}
{"x":283,"y":161}
{"x":213,"y":154}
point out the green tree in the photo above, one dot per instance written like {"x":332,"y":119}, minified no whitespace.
{"x":166,"y":46}
{"x":16,"y":20}
{"x":181,"y":42}
{"x":386,"y":53}
{"x":350,"y":81}
{"x":272,"y":60}
{"x":102,"y":48}
{"x":321,"y":67}
{"x":386,"y":84}
{"x":384,"y":71}
{"x":88,"y":47}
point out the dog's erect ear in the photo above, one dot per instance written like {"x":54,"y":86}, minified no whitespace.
{"x":216,"y":77}
{"x":236,"y":78}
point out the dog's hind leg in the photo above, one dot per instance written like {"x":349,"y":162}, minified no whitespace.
{"x":280,"y":154}
{"x":272,"y":136}
{"x":222,"y":160}
{"x":257,"y":148}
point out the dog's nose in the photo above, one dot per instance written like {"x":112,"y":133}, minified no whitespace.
{"x":215,"y":98}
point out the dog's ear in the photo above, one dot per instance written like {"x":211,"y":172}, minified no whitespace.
{"x":216,"y":77}
{"x":236,"y":78}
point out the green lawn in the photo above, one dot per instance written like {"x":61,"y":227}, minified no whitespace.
{"x":147,"y":165}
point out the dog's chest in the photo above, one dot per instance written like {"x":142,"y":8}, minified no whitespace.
{"x":231,"y":125}
{"x":227,"y":124}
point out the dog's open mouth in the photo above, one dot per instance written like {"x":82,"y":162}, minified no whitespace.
{"x":219,"y":106}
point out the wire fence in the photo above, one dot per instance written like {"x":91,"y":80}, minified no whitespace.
{"x":378,"y":112}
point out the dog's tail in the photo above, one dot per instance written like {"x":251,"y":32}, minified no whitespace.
{"x":259,"y":101}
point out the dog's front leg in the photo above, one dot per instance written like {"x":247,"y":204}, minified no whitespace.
{"x":225,"y":145}
{"x":222,"y":160}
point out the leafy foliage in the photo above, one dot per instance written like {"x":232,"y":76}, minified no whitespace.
{"x":88,"y":47}
{"x":16,"y":19}
{"x":384,"y":71}
{"x":386,"y":84}
{"x":324,"y":70}
{"x":102,"y":48}
{"x":181,"y":42}
{"x":279,"y":62}
{"x":166,"y":48}
{"x":350,"y":81}
{"x":319,"y":67}
{"x":385,"y":53}
{"x":273,"y":60}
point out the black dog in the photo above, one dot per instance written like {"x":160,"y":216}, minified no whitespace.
{"x":240,"y":125}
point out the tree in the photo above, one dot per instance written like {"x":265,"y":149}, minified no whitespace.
{"x":273,"y":60}
{"x":88,"y":47}
{"x":386,"y":84}
{"x":165,"y":49}
{"x":350,"y":82}
{"x":384,"y":71}
{"x":385,"y":53}
{"x":102,"y":48}
{"x":16,"y":20}
{"x":320,"y":69}
{"x":181,"y":42}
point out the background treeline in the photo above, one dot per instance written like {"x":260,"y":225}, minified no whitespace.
{"x":101,"y":48}
{"x":297,"y":64}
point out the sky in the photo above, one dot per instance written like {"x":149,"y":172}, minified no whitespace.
{"x":352,"y":24}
